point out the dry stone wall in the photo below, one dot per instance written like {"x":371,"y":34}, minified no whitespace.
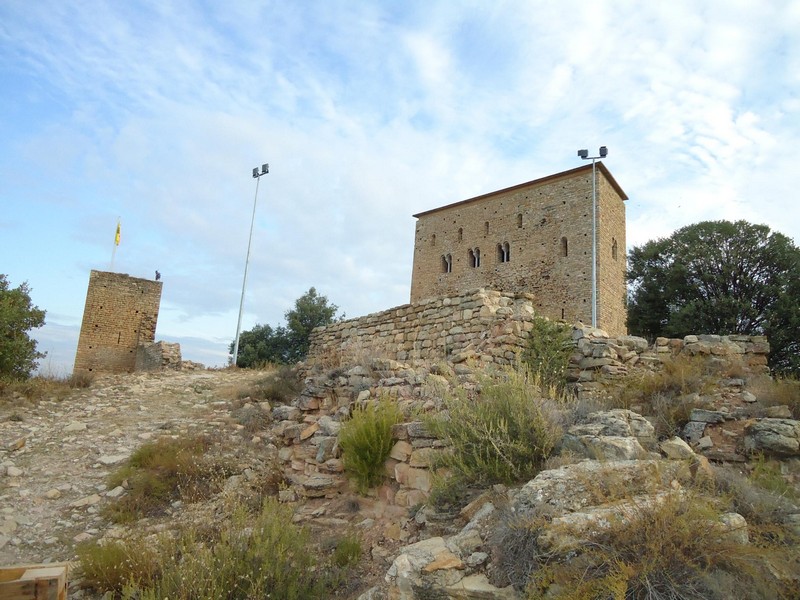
{"x":155,"y":356}
{"x":414,"y":353}
{"x":492,"y":327}
{"x":599,"y":358}
{"x":486,"y":325}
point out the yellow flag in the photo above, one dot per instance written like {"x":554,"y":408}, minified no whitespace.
{"x":116,"y":237}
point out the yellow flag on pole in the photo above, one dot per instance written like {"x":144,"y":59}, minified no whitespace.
{"x":116,"y":237}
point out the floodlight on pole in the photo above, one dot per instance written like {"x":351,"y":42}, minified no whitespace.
{"x":584,"y":154}
{"x":256,"y":175}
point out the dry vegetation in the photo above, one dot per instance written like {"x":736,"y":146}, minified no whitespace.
{"x":678,"y":548}
{"x":28,"y":392}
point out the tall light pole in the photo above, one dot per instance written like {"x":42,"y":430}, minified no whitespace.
{"x":256,"y":176}
{"x":584,"y":154}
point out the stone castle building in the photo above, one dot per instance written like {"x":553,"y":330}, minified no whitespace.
{"x":120,"y":316}
{"x":535,"y":237}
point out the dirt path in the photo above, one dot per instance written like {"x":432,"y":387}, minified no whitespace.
{"x":55,"y":457}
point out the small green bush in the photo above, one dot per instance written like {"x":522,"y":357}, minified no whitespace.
{"x":366,"y":441}
{"x":502,"y":436}
{"x":347,"y":551}
{"x":548,"y":352}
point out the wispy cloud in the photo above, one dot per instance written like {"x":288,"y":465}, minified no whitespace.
{"x":367,"y":112}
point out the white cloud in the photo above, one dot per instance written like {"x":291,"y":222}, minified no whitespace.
{"x":367,"y":113}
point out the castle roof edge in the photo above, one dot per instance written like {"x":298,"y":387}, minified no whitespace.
{"x":563,"y":174}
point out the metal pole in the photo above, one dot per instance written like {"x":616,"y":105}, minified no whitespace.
{"x":244,"y":280}
{"x":584,"y":154}
{"x":594,"y":246}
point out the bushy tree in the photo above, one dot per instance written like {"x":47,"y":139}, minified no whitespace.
{"x":719,"y":277}
{"x":18,"y":354}
{"x":286,"y":344}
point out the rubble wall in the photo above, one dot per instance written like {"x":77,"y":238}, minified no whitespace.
{"x":483,"y":324}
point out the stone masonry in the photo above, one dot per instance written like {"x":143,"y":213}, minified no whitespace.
{"x":121,"y":313}
{"x":536,"y":238}
{"x":485,"y":324}
{"x":488,"y":326}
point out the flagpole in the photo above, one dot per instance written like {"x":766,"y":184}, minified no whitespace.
{"x":116,"y":243}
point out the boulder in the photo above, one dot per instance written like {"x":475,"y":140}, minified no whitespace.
{"x":779,"y":437}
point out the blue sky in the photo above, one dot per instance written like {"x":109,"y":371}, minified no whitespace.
{"x":367,"y":112}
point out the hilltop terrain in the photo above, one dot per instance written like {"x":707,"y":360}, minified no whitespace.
{"x":268,"y":439}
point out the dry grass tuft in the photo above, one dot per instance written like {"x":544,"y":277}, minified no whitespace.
{"x":161,"y":472}
{"x":777,"y":392}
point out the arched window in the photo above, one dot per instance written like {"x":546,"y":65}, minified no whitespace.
{"x":474,"y":258}
{"x":503,"y":252}
{"x":460,"y":234}
{"x":433,"y":240}
{"x":519,"y":220}
{"x":614,"y":248}
{"x":447,"y":263}
{"x":486,"y":228}
{"x":564,"y":247}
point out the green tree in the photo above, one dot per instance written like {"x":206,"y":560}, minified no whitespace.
{"x":719,"y":277}
{"x":286,"y":344}
{"x":18,"y":354}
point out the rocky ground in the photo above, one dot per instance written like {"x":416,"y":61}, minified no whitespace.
{"x":55,"y":457}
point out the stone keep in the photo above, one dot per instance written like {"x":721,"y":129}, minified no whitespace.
{"x":535,"y":237}
{"x":121,"y":313}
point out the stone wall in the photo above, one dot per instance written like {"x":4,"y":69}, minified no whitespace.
{"x":155,"y":356}
{"x":534,"y":238}
{"x":492,"y":327}
{"x":121,"y":312}
{"x":599,"y":358}
{"x":487,"y":325}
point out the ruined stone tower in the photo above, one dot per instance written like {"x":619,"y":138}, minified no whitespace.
{"x":535,"y":237}
{"x":121,"y":313}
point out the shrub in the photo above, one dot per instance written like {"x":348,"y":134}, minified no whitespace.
{"x":252,"y":417}
{"x":347,"y":551}
{"x":677,"y":549}
{"x":34,"y":389}
{"x":18,"y":315}
{"x":750,"y":498}
{"x":279,"y":387}
{"x":766,"y":473}
{"x":161,"y":472}
{"x":548,"y":351}
{"x":113,"y":565}
{"x":500,"y":437}
{"x":80,"y":380}
{"x":259,"y":556}
{"x":366,"y":440}
{"x":668,"y":394}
